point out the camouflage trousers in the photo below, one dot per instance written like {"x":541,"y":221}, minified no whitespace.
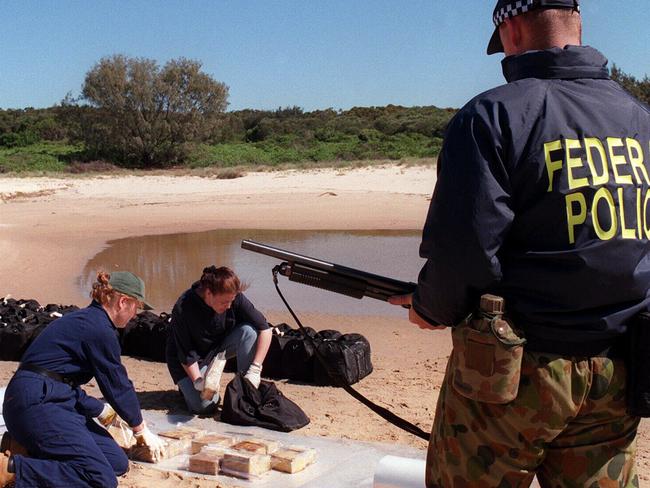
{"x":567,"y":425}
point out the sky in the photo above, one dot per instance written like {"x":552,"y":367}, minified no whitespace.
{"x":315,"y":54}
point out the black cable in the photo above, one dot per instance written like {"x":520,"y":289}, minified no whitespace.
{"x":379,"y":410}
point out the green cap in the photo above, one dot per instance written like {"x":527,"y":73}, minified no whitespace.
{"x":129,"y":284}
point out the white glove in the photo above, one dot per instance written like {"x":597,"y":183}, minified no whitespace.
{"x":254,"y":374}
{"x":199,"y":383}
{"x":107,"y":417}
{"x":147,"y":438}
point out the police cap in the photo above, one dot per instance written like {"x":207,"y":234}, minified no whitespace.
{"x":510,"y":8}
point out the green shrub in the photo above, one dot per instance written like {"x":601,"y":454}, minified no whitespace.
{"x":40,"y":157}
{"x":368,"y":144}
{"x":19,"y":139}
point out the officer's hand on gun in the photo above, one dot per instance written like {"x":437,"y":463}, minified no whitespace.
{"x":402,"y":300}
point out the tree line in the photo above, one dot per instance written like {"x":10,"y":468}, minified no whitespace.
{"x":132,"y":112}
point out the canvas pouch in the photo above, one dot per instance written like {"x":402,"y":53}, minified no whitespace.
{"x":486,"y":359}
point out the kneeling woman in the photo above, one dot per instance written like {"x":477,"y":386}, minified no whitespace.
{"x":211,"y":317}
{"x":52,"y":417}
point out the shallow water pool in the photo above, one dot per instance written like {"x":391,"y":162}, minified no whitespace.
{"x":170,"y":263}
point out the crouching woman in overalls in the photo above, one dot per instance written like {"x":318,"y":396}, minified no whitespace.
{"x":47,"y":412}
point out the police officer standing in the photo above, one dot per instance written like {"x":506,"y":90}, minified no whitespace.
{"x":51,"y":417}
{"x":542,"y":199}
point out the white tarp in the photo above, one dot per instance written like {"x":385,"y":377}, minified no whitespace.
{"x":340,"y":463}
{"x":399,"y":472}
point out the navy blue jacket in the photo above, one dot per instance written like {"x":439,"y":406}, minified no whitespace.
{"x":84,"y":344}
{"x":543,"y":197}
{"x":197,"y":330}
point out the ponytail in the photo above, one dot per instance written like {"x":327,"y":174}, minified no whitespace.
{"x":102,"y":291}
{"x":221,"y":280}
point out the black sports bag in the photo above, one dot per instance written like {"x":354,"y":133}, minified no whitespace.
{"x":266,"y":406}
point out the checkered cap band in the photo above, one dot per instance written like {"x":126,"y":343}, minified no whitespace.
{"x":513,"y":9}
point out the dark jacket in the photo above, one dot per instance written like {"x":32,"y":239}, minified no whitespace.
{"x":197,"y":330}
{"x":83,"y":345}
{"x":542,"y":197}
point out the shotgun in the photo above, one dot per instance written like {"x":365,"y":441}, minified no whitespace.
{"x":329,"y":276}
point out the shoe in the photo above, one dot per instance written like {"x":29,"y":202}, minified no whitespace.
{"x":6,"y":478}
{"x":9,"y":444}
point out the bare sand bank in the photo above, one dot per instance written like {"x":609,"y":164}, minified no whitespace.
{"x":49,"y":228}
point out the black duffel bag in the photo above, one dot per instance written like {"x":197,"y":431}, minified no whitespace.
{"x":638,"y":366}
{"x":266,"y":406}
{"x":347,"y":360}
{"x":15,"y":338}
{"x":298,"y":356}
{"x":145,"y":336}
{"x":272,"y":366}
{"x":298,"y":360}
{"x":327,"y":335}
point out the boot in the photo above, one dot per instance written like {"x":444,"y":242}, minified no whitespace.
{"x":6,"y":478}
{"x":9,"y":444}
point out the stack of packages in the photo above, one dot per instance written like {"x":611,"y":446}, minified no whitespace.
{"x":213,"y":453}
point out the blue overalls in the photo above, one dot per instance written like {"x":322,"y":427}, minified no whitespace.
{"x":54,"y":419}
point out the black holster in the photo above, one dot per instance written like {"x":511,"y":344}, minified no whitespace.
{"x":638,"y":365}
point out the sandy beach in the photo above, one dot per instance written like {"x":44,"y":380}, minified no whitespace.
{"x":50,"y":228}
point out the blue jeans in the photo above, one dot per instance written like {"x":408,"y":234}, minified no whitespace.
{"x":239,"y":343}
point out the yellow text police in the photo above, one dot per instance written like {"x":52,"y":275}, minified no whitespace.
{"x":616,"y":169}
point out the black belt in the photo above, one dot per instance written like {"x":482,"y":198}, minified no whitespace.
{"x":613,"y":348}
{"x":68,"y":380}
